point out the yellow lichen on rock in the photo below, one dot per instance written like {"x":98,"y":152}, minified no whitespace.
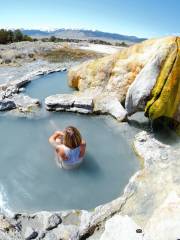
{"x":165,"y":96}
{"x":145,"y":76}
{"x":115,"y":73}
{"x":93,"y":73}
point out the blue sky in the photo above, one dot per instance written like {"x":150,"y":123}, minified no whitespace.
{"x":143,"y":18}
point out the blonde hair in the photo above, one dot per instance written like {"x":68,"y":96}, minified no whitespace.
{"x":72,"y":137}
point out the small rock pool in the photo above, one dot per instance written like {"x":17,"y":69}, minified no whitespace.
{"x":29,"y":177}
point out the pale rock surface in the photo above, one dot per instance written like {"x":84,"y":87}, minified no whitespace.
{"x":60,"y":100}
{"x":111,"y":105}
{"x":100,"y":48}
{"x":129,"y":75}
{"x":88,"y":101}
{"x":152,"y":151}
{"x":69,"y":102}
{"x":4,"y":224}
{"x":115,"y":73}
{"x":164,"y":223}
{"x":25,"y":103}
{"x":122,"y":228}
{"x":153,"y":183}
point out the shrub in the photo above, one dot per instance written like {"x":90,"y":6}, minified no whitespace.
{"x":9,"y":36}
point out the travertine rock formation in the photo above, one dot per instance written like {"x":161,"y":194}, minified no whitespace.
{"x":145,"y":76}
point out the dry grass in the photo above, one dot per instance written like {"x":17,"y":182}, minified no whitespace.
{"x":67,"y":54}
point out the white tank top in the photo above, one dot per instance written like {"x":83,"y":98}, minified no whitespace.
{"x":73,"y":155}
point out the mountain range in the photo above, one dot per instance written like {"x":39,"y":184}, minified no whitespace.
{"x":81,"y":34}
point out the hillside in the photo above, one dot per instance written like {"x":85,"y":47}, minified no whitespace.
{"x":82,"y":34}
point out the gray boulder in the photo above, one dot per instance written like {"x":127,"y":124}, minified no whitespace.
{"x":7,"y":104}
{"x":30,"y":234}
{"x":53,"y":221}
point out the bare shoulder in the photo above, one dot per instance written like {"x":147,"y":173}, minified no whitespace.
{"x":83,"y":142}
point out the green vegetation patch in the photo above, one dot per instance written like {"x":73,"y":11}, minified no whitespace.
{"x":9,"y":36}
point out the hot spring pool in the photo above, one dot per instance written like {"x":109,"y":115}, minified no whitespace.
{"x":29,"y":177}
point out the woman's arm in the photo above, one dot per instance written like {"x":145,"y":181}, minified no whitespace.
{"x":52,"y":139}
{"x":61,"y":133}
{"x":58,"y":147}
{"x":82,"y":149}
{"x":60,"y":151}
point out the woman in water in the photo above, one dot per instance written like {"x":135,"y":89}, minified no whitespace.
{"x":69,"y":146}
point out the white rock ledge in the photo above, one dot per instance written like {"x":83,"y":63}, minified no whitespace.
{"x":86,"y":103}
{"x":9,"y":92}
{"x":69,"y":102}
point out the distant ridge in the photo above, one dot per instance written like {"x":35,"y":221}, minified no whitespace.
{"x":81,"y":34}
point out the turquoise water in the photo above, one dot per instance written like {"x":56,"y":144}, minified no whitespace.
{"x":47,"y":85}
{"x":30,"y":179}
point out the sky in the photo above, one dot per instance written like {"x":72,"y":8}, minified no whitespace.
{"x":142,"y":18}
